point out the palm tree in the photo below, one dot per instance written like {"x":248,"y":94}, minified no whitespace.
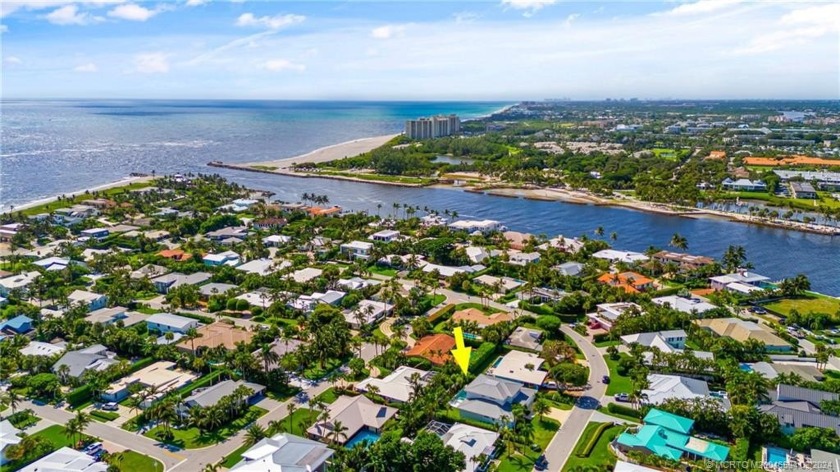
{"x":338,"y":433}
{"x":254,"y":434}
{"x":599,"y":231}
{"x":679,"y":242}
{"x":268,"y":356}
{"x":71,"y":429}
{"x":82,"y":420}
{"x":291,"y":407}
{"x":13,"y":399}
{"x":540,"y":407}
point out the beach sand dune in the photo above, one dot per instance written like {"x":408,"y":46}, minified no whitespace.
{"x":329,"y":153}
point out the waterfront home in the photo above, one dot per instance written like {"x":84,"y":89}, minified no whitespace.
{"x":740,"y":282}
{"x":803,"y":190}
{"x":517,"y":240}
{"x":356,"y":414}
{"x":742,"y":330}
{"x":689,"y":305}
{"x":165,"y":283}
{"x":209,"y":396}
{"x":385,"y":236}
{"x":526,"y":338}
{"x":630,"y":282}
{"x":285,"y":452}
{"x":477,"y":254}
{"x":569,"y":269}
{"x":824,"y":180}
{"x":42,"y":349}
{"x":523,"y":258}
{"x":477,"y":444}
{"x":474,"y":315}
{"x":607,"y":313}
{"x":19,"y":282}
{"x":228,"y":258}
{"x":800,"y":407}
{"x":368,"y":312}
{"x":162,"y":376}
{"x":491,"y":399}
{"x":93,"y":301}
{"x":396,"y":386}
{"x":476,"y":226}
{"x":744,"y":185}
{"x":95,"y":357}
{"x":613,"y":255}
{"x":685,"y":262}
{"x":20,"y":324}
{"x":521,"y":367}
{"x":169,"y":323}
{"x":357,"y":249}
{"x":435,"y":348}
{"x":667,"y":435}
{"x":568,"y":245}
{"x":66,"y":459}
{"x":9,"y":436}
{"x":216,"y":334}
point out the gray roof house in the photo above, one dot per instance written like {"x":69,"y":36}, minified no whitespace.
{"x":209,"y":396}
{"x":570,"y":268}
{"x":799,"y":407}
{"x":489,"y":399}
{"x":526,"y":338}
{"x":165,"y":283}
{"x":356,"y":414}
{"x":285,"y":453}
{"x":214,"y":288}
{"x":94,"y":357}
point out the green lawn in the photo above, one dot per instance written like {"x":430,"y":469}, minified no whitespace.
{"x":607,"y":343}
{"x":328,"y":396}
{"x":135,"y":462}
{"x":600,"y":458}
{"x":544,"y":430}
{"x":300,"y":421}
{"x":618,"y":383}
{"x":52,"y":206}
{"x":489,"y":310}
{"x":54,"y":434}
{"x":192,"y":438}
{"x":234,"y":457}
{"x":104,"y":416}
{"x":806,"y":304}
{"x":386,"y":271}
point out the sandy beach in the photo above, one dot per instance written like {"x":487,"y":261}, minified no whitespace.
{"x":329,"y":153}
{"x":117,"y":183}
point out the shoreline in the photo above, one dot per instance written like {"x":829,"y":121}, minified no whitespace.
{"x":333,"y":152}
{"x":133,"y":179}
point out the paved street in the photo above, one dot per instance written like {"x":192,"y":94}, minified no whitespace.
{"x":563,"y":443}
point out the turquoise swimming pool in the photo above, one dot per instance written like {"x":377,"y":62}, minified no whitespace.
{"x":776,"y":456}
{"x":363,"y":436}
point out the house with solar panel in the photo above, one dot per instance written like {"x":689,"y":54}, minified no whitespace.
{"x":669,"y":436}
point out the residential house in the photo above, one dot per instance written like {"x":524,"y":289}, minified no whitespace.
{"x":630,"y":282}
{"x":20,"y":324}
{"x":667,"y":435}
{"x":570,"y":269}
{"x":385,"y":236}
{"x":807,"y":370}
{"x":474,"y":315}
{"x":356,"y":414}
{"x":227,"y":258}
{"x":449,"y":271}
{"x":165,"y":283}
{"x":505,"y":284}
{"x":66,"y":460}
{"x":42,"y":349}
{"x":665,"y":341}
{"x":613,"y":255}
{"x":9,"y":436}
{"x":542,"y":295}
{"x":269,"y":223}
{"x":477,"y":254}
{"x":800,"y":407}
{"x":478,"y":445}
{"x":477,"y":226}
{"x":149,"y":271}
{"x":689,"y":305}
{"x":53,"y":263}
{"x":96,"y":357}
{"x":237,"y":232}
{"x":209,"y":396}
{"x":517,"y":240}
{"x":263,"y":266}
{"x":115,"y":314}
{"x":95,"y":233}
{"x":356,"y":283}
{"x":741,"y":330}
{"x":276,"y":240}
{"x":396,"y":386}
{"x":93,"y":301}
{"x":803,"y":190}
{"x":491,"y":399}
{"x":305,"y":275}
{"x":285,"y":452}
{"x":216,"y":334}
{"x":665,"y":387}
{"x":17,"y":282}
{"x":162,"y":376}
{"x":741,"y":282}
{"x":744,"y":185}
{"x":523,"y":258}
{"x":568,"y":245}
{"x":369,"y":312}
{"x":357,"y":249}
{"x":520,"y":367}
{"x":607,"y":313}
{"x":215,"y":288}
{"x":435,"y":348}
{"x":260,"y":297}
{"x":526,"y":338}
{"x":685,"y":262}
{"x":169,"y":323}
{"x":175,"y":255}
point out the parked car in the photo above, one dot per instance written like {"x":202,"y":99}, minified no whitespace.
{"x":93,"y":448}
{"x":111,"y":406}
{"x":758,"y":310}
{"x":541,"y":463}
{"x":622,"y":397}
{"x":605,"y":379}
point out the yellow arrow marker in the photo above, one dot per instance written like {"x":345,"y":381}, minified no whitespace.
{"x":461,"y":353}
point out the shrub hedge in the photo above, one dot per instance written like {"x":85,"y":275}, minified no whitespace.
{"x":587,"y":447}
{"x":445,"y":311}
{"x":623,"y":410}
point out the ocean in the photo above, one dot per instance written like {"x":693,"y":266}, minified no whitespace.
{"x":59,"y":147}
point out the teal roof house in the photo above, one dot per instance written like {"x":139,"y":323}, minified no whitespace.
{"x":667,"y":435}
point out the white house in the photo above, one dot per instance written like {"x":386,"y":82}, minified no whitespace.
{"x":607,"y":313}
{"x":263,"y":266}
{"x":741,"y":282}
{"x":357,"y":249}
{"x":17,"y":282}
{"x":475,"y":443}
{"x":93,"y":301}
{"x":476,"y":226}
{"x":685,"y":305}
{"x":396,"y":386}
{"x":522,"y":367}
{"x":285,"y":452}
{"x":523,"y":258}
{"x":228,"y":258}
{"x":169,"y":323}
{"x":385,"y":236}
{"x":8,"y":437}
{"x":369,"y":312}
{"x":305,"y":275}
{"x":276,"y":240}
{"x":664,"y":387}
{"x":627,"y":257}
{"x":66,"y":460}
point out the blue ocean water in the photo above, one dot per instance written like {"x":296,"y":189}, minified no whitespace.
{"x":59,"y":147}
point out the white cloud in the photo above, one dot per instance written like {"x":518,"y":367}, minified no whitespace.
{"x":9,"y":7}
{"x":387,"y":31}
{"x":89,"y":67}
{"x":796,"y":28}
{"x":12,"y":60}
{"x":133,"y":12}
{"x":195,"y":3}
{"x":465,"y":17}
{"x":151,"y":63}
{"x":279,"y":65}
{"x":701,"y":7}
{"x":271,"y":22}
{"x":530,"y":6}
{"x":571,"y":18}
{"x":69,"y":15}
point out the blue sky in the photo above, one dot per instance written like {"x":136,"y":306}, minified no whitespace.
{"x":390,"y":50}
